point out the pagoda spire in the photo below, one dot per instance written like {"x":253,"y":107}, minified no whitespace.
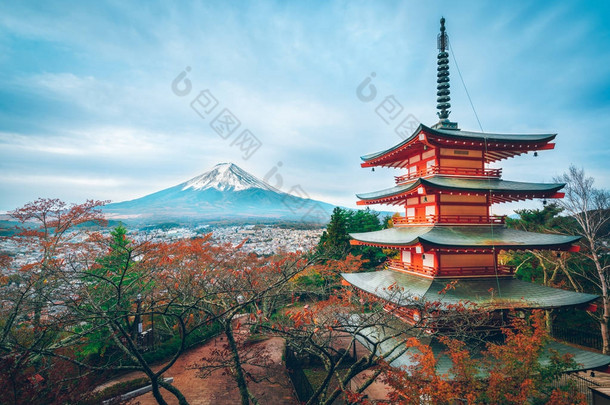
{"x":443,"y":75}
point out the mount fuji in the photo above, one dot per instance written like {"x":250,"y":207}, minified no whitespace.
{"x":226,"y":193}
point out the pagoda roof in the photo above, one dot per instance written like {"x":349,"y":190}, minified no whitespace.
{"x":496,"y":146}
{"x":501,"y":190}
{"x":484,"y":236}
{"x":583,"y":359}
{"x":490,"y":293}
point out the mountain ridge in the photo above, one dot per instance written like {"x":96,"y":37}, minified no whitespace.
{"x":225,"y":192}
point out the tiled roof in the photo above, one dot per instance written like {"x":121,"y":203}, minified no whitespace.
{"x":466,"y":185}
{"x":466,"y":136}
{"x":405,"y":289}
{"x":465,"y":236}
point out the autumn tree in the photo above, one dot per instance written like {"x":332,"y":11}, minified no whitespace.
{"x":589,"y":208}
{"x":48,"y":232}
{"x":584,"y":211}
{"x":74,"y":300}
{"x":92,"y":291}
{"x":226,"y":283}
{"x":546,"y":267}
{"x":92,"y":326}
{"x":35,"y":282}
{"x":327,"y":332}
{"x":507,"y":372}
{"x":550,"y":268}
{"x":186,"y":285}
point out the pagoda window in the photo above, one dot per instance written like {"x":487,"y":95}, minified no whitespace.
{"x":428,"y":259}
{"x":412,"y":170}
{"x":406,"y":256}
{"x":410,"y":212}
{"x":430,"y":210}
{"x":430,"y":163}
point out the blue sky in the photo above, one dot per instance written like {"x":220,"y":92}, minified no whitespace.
{"x":87,"y":108}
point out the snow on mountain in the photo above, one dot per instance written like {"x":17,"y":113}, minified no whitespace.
{"x":225,"y":193}
{"x":225,"y":177}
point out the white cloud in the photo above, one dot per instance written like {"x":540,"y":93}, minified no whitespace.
{"x":87,"y":86}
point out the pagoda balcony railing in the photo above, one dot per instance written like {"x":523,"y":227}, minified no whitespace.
{"x":456,"y":171}
{"x":500,"y":270}
{"x":450,"y":219}
{"x":400,"y":265}
{"x":452,"y":271}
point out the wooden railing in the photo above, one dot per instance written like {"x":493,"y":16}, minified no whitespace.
{"x":450,"y":219}
{"x":476,"y":271}
{"x":400,"y":265}
{"x":452,"y":271}
{"x":457,"y":171}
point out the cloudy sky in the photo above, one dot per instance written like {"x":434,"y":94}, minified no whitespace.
{"x":91,"y":105}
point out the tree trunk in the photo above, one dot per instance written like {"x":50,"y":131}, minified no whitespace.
{"x":168,"y":386}
{"x":156,"y":393}
{"x":548,"y":315}
{"x":238,"y":372}
{"x":605,"y":298}
{"x":603,"y":323}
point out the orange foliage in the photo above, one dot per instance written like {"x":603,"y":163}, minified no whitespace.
{"x":508,"y":373}
{"x":332,"y":268}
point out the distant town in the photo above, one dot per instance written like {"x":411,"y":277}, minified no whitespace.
{"x":259,"y":239}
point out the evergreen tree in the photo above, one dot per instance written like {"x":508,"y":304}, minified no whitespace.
{"x":366,"y":221}
{"x":334,"y":242}
{"x":116,"y":269}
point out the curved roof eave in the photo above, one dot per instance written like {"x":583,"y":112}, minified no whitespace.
{"x":374,"y":155}
{"x":490,"y":136}
{"x":481,"y":292}
{"x":450,"y":183}
{"x":464,"y":135}
{"x":388,"y":192}
{"x":465,"y":237}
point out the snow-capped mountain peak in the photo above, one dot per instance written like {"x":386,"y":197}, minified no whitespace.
{"x":225,"y":177}
{"x":226,"y":193}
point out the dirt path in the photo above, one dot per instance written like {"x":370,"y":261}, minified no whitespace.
{"x":219,"y":388}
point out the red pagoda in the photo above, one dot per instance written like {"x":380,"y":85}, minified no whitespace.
{"x":447,"y":234}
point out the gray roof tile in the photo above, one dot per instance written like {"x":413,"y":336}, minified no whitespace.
{"x":465,"y":236}
{"x":483,"y":292}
